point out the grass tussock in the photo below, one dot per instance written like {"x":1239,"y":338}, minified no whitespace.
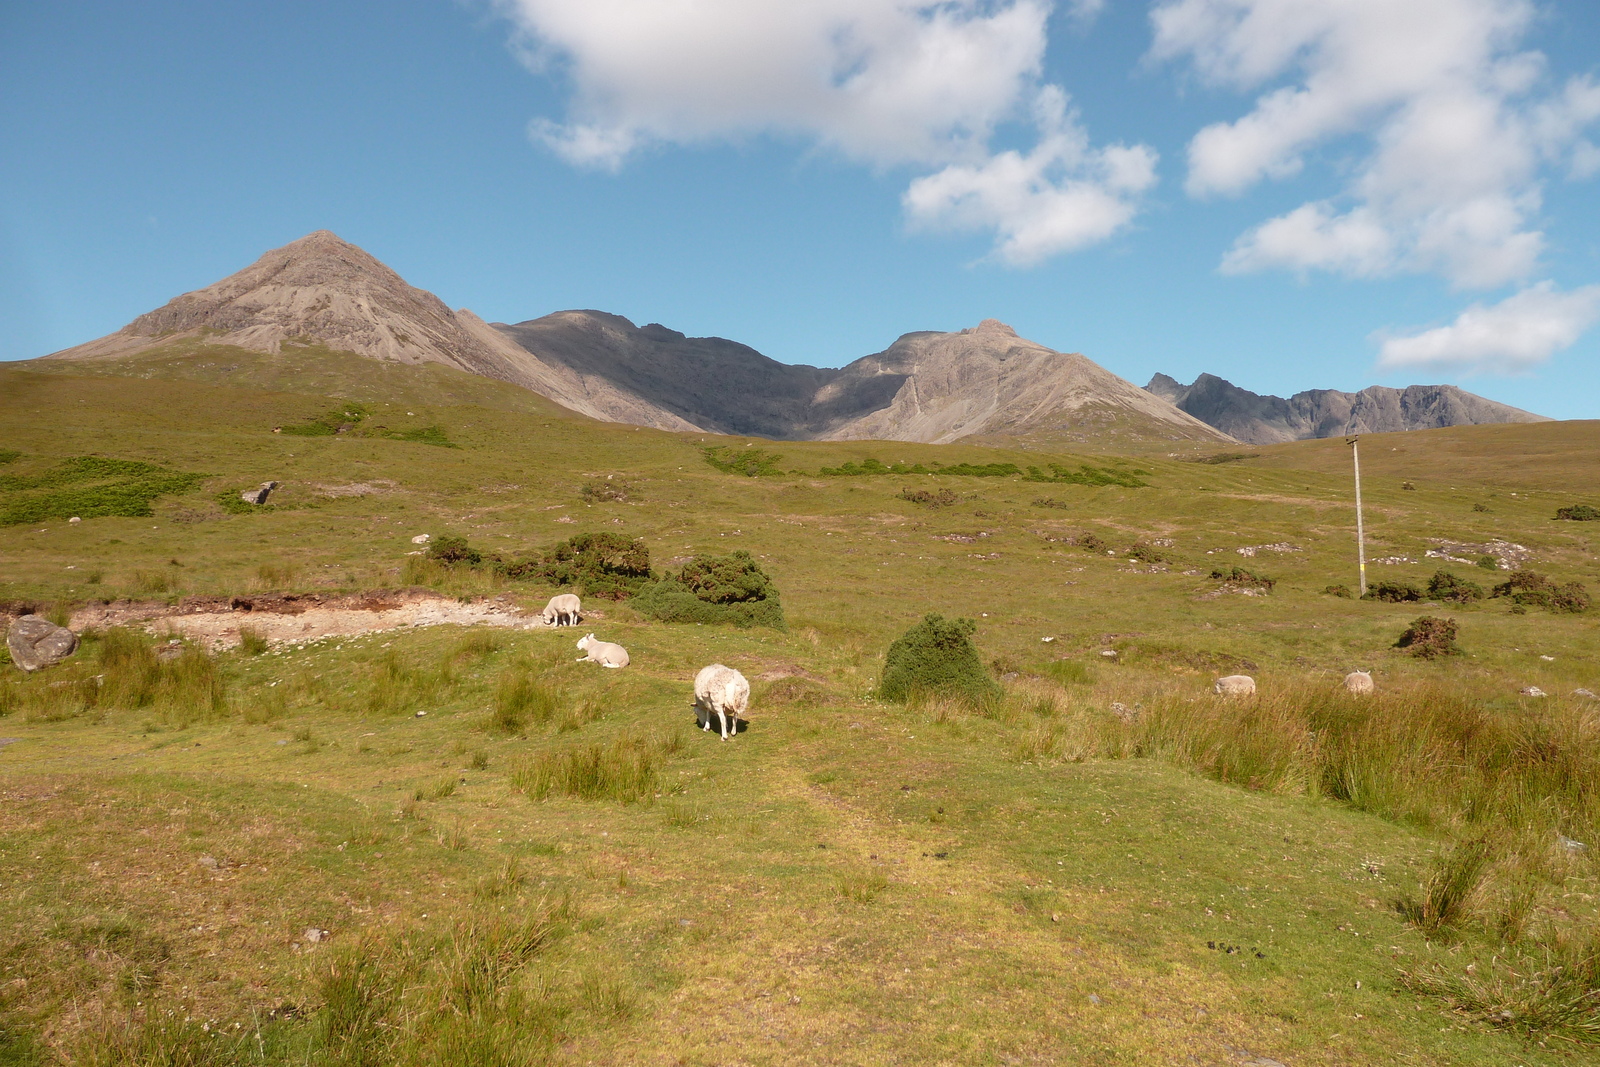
{"x":122,"y":670}
{"x":624,"y":770}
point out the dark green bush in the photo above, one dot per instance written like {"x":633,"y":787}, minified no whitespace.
{"x":937,"y":657}
{"x":729,"y":589}
{"x":1446,"y":586}
{"x":454,"y":551}
{"x":1394,"y":593}
{"x":1085,"y":475}
{"x":750,"y":462}
{"x":1488,"y":562}
{"x":1430,"y":638}
{"x":1579,"y":513}
{"x":1530,"y":590}
{"x":1227,"y":457}
{"x":601,"y":564}
{"x":1240,"y":576}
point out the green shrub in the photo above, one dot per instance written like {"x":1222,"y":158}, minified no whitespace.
{"x":1339,"y":590}
{"x":1528,"y":589}
{"x":928,"y":498}
{"x":1089,"y":541}
{"x":715,"y":589}
{"x":601,"y":564}
{"x":1086,"y":475}
{"x":1579,"y":513}
{"x":750,"y":462}
{"x":871,"y":467}
{"x":1394,"y":592}
{"x":1446,"y":586}
{"x":1146,"y":553}
{"x":937,"y":657}
{"x":1430,"y":637}
{"x":454,"y":551}
{"x":1226,"y":457}
{"x":341,"y":419}
{"x":1488,"y":562}
{"x":1238,"y":576}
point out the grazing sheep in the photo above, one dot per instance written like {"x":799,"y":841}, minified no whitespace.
{"x":1359,"y":683}
{"x":562,"y":610}
{"x":602,"y":652}
{"x":1236,"y":685}
{"x":723,"y":691}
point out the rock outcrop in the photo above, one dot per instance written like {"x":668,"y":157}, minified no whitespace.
{"x":36,"y":643}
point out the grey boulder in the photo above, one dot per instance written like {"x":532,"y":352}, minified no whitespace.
{"x":258,"y":496}
{"x":36,"y":643}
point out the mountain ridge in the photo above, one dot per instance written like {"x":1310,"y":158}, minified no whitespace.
{"x":926,"y":386}
{"x":1261,"y":419}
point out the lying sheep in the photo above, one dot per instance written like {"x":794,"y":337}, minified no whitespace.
{"x":1359,"y":683}
{"x":602,"y":652}
{"x":1235,"y":685}
{"x":562,"y":610}
{"x":724,"y":692}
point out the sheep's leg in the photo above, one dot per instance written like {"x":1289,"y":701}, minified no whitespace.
{"x":722,"y":717}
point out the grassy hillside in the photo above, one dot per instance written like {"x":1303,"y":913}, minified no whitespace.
{"x":1039,"y":879}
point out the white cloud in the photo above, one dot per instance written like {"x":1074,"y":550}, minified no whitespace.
{"x":1459,"y":126}
{"x":920,"y":83}
{"x":1060,"y":196}
{"x":1514,"y":335}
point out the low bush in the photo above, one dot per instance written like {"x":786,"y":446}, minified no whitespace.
{"x":124,"y":488}
{"x":1339,"y":590}
{"x":1394,"y":592}
{"x":1145,"y":553}
{"x":1579,"y":513}
{"x":340,"y":420}
{"x":1090,"y":542}
{"x":1050,"y":502}
{"x":1086,"y":475}
{"x":936,"y":657}
{"x":601,"y":564}
{"x":872,"y":467}
{"x":1448,"y":587}
{"x":1238,"y":576}
{"x":1488,"y":562}
{"x":1430,"y":638}
{"x":1226,"y":457}
{"x":729,"y":589}
{"x":750,"y":462}
{"x":454,"y":552}
{"x":1531,"y":590}
{"x":928,"y":498}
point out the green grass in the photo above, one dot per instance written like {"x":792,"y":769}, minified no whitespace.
{"x":847,"y":881}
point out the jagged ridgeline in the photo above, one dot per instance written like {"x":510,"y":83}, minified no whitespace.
{"x":88,"y":487}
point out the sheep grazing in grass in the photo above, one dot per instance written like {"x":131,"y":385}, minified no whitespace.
{"x":563,"y":610}
{"x":1359,"y":683}
{"x":602,"y":652}
{"x":1235,"y":685}
{"x":724,"y":692}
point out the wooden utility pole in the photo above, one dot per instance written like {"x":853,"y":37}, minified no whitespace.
{"x":1361,"y":534}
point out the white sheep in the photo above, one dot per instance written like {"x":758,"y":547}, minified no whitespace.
{"x":724,"y":692}
{"x":563,"y":610}
{"x":1359,"y":683}
{"x":602,"y":652}
{"x":1235,"y":685}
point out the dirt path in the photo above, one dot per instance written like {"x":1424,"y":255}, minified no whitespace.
{"x":216,"y":622}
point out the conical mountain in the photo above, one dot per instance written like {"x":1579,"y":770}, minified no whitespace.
{"x":329,"y":292}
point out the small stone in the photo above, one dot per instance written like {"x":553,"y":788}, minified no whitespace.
{"x":1570,"y":845}
{"x":421,"y":539}
{"x":315,"y":935}
{"x":420,"y":714}
{"x":1586,"y":694}
{"x":1532,"y":691}
{"x":1094,"y":999}
{"x":74,"y":520}
{"x":1548,"y":659}
{"x":210,"y":863}
{"x":1046,"y":640}
{"x":1109,"y":653}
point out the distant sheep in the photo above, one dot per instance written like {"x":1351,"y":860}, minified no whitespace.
{"x":602,"y":652}
{"x":1236,"y":685}
{"x":724,"y":692}
{"x":563,"y":610}
{"x":1359,"y":683}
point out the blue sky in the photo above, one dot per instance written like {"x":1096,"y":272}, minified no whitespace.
{"x":1291,"y":194}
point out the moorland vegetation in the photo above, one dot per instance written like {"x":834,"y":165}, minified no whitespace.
{"x":988,"y":807}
